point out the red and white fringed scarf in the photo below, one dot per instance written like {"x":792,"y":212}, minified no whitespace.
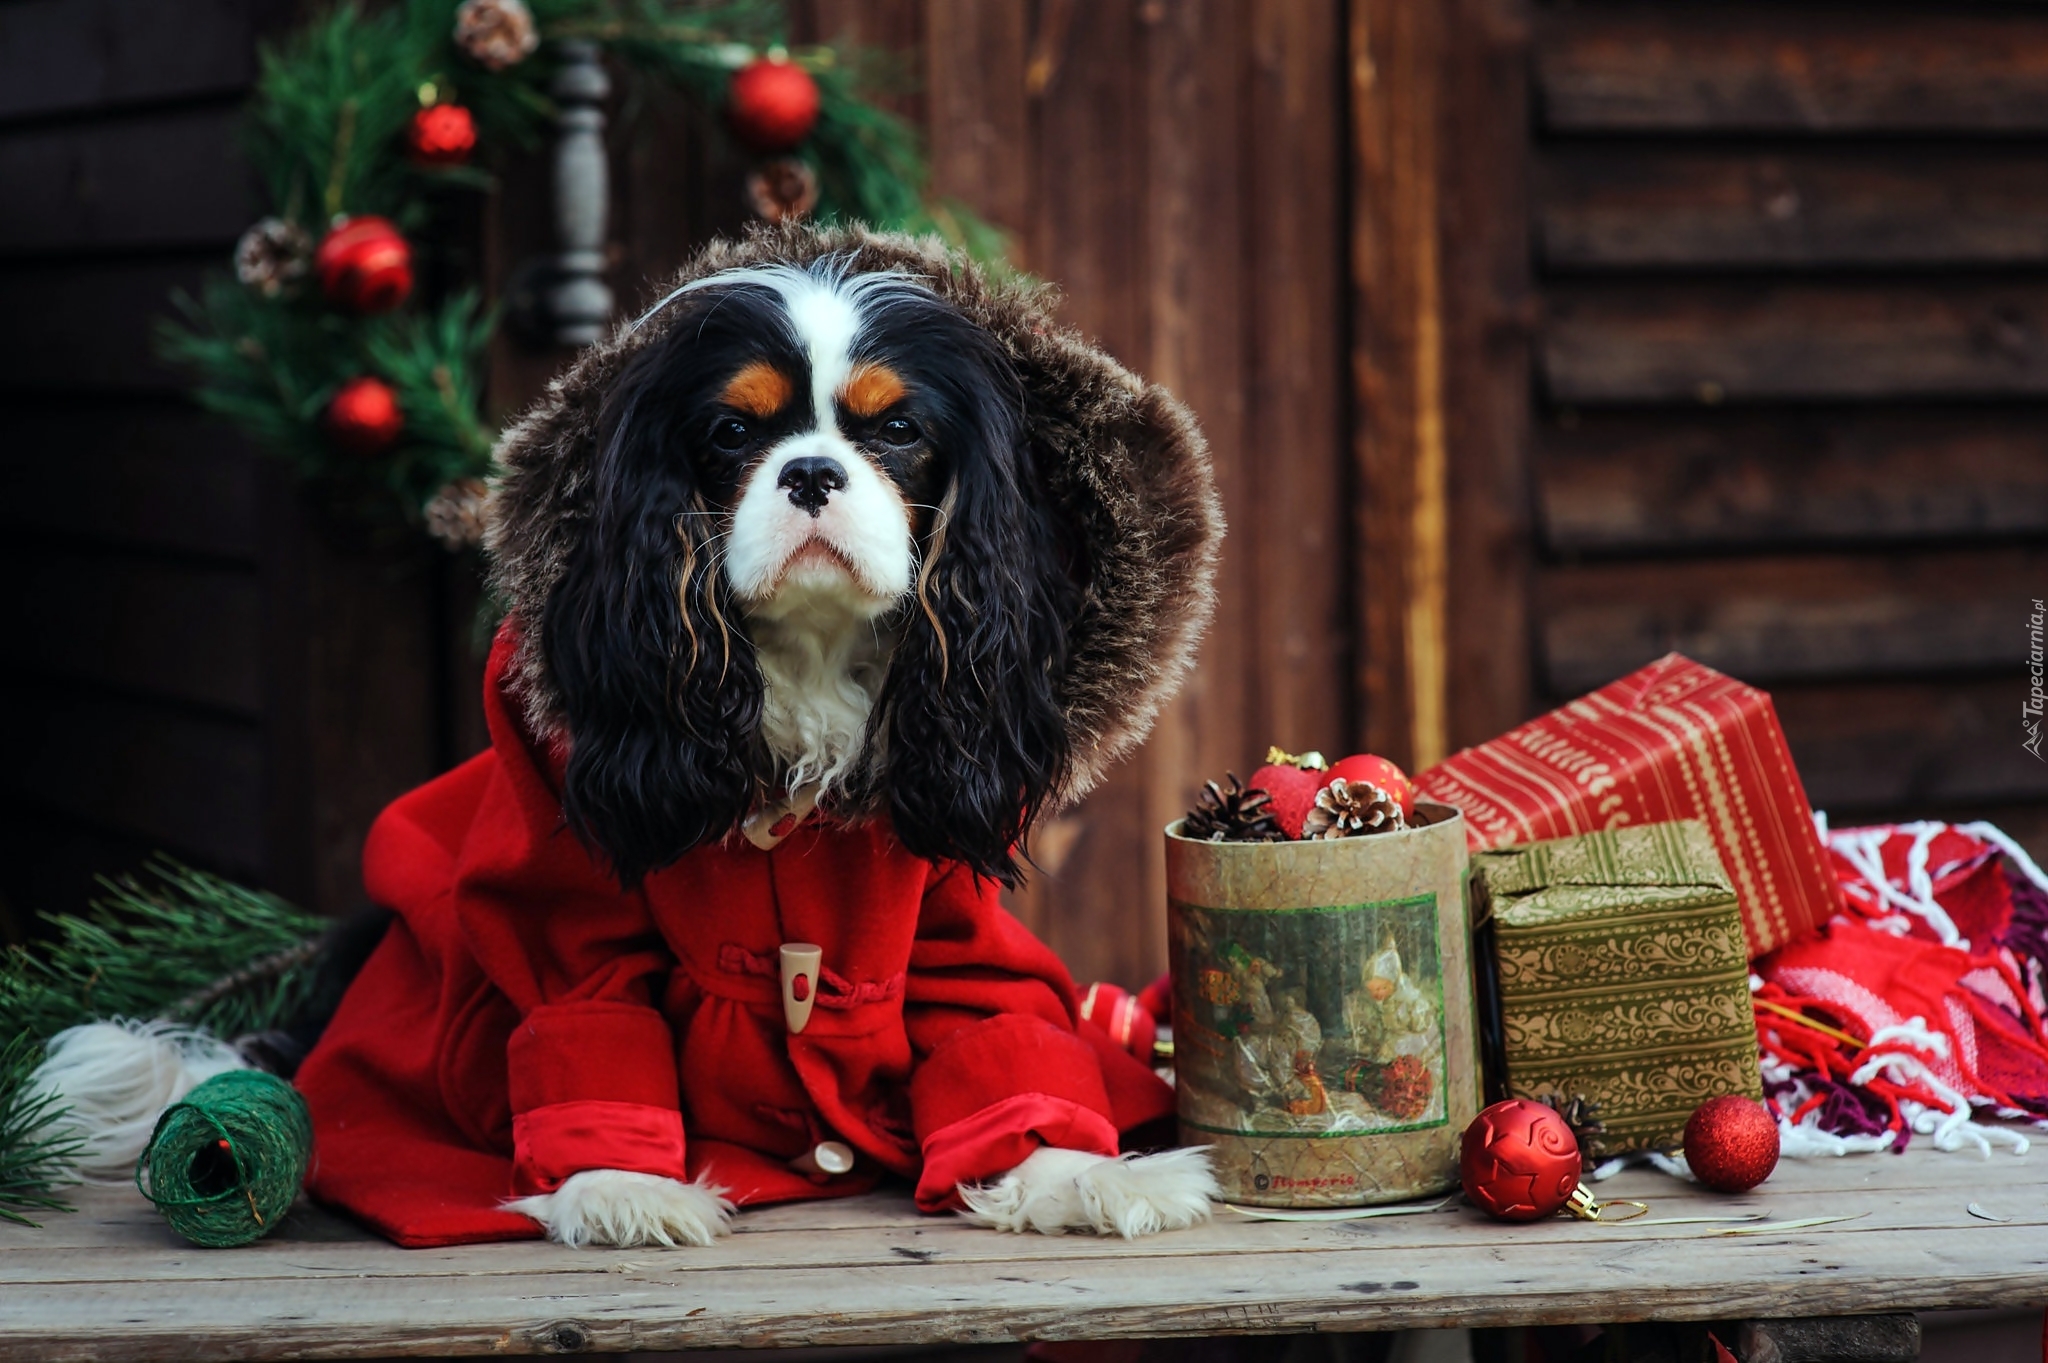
{"x":1919,"y":1007}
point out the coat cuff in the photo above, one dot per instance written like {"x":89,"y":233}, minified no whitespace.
{"x":993,"y":1092}
{"x":1002,"y":1136}
{"x":593,"y":1086}
{"x":551,"y":1143}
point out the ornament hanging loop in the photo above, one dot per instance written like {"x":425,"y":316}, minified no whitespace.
{"x":1582,"y":1205}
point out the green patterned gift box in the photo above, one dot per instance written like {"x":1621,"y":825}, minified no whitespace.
{"x":1623,"y":976}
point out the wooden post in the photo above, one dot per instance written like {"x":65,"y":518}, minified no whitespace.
{"x":1398,"y":377}
{"x":578,"y":302}
{"x":1439,"y":270}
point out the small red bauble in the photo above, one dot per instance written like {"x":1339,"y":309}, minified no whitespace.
{"x":1731,"y":1143}
{"x":1293,"y":791}
{"x":363,"y":416}
{"x":441,"y":135}
{"x":1379,"y":772}
{"x":772,"y":105}
{"x":364,"y":265}
{"x":1519,"y":1161}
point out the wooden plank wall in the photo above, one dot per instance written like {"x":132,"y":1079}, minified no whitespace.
{"x":1793,"y":360}
{"x":1531,"y":339}
{"x":189,"y":665}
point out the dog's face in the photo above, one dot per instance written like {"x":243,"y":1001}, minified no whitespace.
{"x":816,"y":550}
{"x":820,"y":439}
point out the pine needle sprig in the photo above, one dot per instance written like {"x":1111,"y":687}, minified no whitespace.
{"x":435,"y":362}
{"x":36,"y":1147}
{"x":150,"y":943}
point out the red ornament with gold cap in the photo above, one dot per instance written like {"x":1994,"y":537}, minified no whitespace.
{"x":1291,"y":781}
{"x":441,"y":135}
{"x":1519,"y":1161}
{"x":364,"y":265}
{"x":773,"y":104}
{"x":363,"y":416}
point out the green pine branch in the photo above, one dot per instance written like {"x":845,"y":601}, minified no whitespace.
{"x":35,"y":1151}
{"x":147,"y":946}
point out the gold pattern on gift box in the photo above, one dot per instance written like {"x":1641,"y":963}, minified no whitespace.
{"x":1623,"y":976}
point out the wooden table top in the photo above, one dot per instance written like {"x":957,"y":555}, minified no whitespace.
{"x":112,"y":1282}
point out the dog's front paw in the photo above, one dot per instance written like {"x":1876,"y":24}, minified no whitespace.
{"x":1055,"y":1191}
{"x":614,"y":1207}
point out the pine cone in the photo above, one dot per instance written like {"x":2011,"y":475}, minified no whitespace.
{"x":455,"y":514}
{"x":272,"y":255}
{"x":783,"y":190}
{"x":1348,"y":808}
{"x":1234,"y":815}
{"x":496,"y":34}
{"x":1582,"y":1115}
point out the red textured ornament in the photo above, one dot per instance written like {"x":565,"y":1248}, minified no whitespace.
{"x":1382,"y":773}
{"x":441,"y":135}
{"x":773,"y":104}
{"x":364,"y":265}
{"x":1731,"y":1143}
{"x":1519,"y":1161}
{"x":1293,"y":790}
{"x":363,"y":416}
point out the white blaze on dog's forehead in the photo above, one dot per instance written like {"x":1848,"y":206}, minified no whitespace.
{"x":827,"y":306}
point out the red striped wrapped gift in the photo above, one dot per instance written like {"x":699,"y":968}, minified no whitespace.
{"x":1675,"y":740}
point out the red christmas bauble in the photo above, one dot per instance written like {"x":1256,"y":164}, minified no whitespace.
{"x":772,"y":105}
{"x":1293,"y":791}
{"x":364,"y":265}
{"x":1731,"y":1143}
{"x":1120,"y":1013}
{"x":1519,"y":1161}
{"x":441,"y":135}
{"x":363,"y":416}
{"x":1380,"y":772}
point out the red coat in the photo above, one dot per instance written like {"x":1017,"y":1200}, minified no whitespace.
{"x":526,"y":1019}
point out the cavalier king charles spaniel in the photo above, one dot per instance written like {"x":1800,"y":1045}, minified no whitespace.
{"x":861,"y":531}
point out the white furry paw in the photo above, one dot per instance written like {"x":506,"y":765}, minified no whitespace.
{"x":614,"y":1207}
{"x":1055,"y":1191}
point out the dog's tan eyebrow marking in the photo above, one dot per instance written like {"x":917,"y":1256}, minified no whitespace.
{"x":760,"y":390}
{"x":871,"y":389}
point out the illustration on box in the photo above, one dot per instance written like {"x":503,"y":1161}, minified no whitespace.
{"x":1348,"y":1036}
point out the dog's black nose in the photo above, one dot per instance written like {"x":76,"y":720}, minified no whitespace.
{"x":812,"y":480}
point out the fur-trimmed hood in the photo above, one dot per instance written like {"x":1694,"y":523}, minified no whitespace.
{"x":1122,"y":462}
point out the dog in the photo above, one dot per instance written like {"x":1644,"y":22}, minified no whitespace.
{"x":827,"y":578}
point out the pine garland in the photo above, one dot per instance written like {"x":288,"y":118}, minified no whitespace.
{"x":325,"y":132}
{"x":172,"y":943}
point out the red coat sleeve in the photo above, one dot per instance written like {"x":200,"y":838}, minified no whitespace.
{"x":998,"y":1069}
{"x":591,"y":1067}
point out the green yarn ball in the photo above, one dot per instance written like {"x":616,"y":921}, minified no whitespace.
{"x":224,"y":1165}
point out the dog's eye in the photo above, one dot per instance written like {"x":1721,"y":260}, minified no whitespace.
{"x":900,"y":431}
{"x":731,"y":434}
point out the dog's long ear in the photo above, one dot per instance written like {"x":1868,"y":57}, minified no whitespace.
{"x":658,"y":686}
{"x":974,"y":739}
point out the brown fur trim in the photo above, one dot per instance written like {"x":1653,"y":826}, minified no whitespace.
{"x":1123,"y":460}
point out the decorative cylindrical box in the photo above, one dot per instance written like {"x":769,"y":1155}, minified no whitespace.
{"x":1323,"y":1020}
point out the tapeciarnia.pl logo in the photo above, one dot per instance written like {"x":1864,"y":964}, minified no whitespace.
{"x":2030,"y":712}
